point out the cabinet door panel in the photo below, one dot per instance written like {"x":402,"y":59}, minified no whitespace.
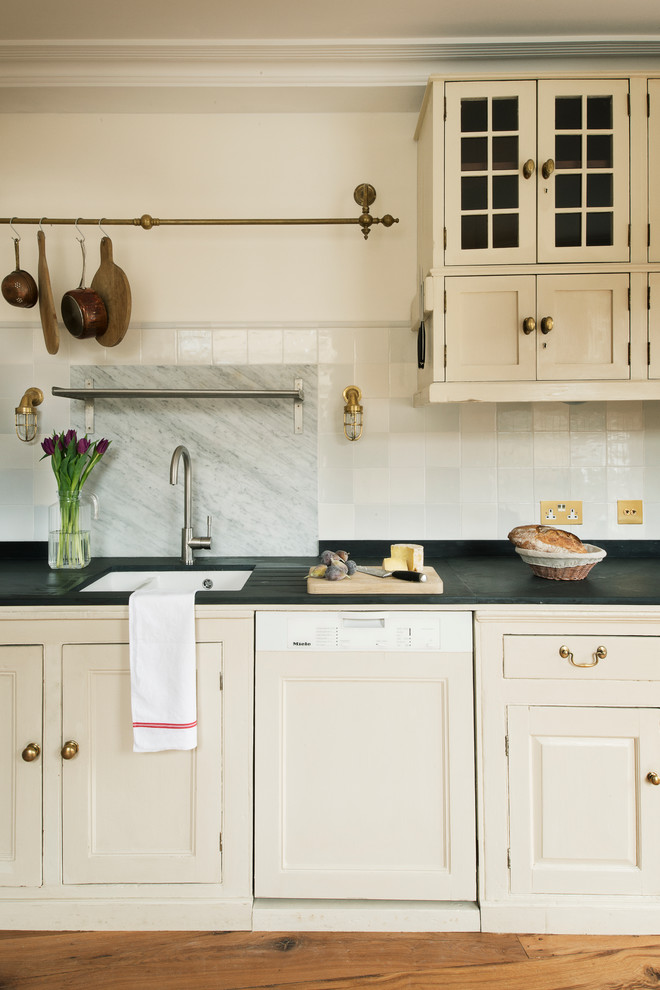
{"x":484,"y":328}
{"x":21,"y":688}
{"x":654,"y":322}
{"x":137,"y":817}
{"x":654,"y":163}
{"x":353,"y":773}
{"x":489,"y":204}
{"x":583,"y":819}
{"x":583,"y":204}
{"x":591,"y":327}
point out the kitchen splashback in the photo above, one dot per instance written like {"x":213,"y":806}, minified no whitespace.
{"x":251,"y":472}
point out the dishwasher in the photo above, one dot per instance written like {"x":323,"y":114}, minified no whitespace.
{"x":364,"y":755}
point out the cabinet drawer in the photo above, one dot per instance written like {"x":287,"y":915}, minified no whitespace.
{"x":582,"y":656}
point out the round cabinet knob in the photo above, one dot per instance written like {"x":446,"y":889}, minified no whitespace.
{"x":653,"y":777}
{"x":529,"y":325}
{"x":69,"y":749}
{"x":528,"y":168}
{"x":547,"y":168}
{"x":31,"y":752}
{"x":547,"y":323}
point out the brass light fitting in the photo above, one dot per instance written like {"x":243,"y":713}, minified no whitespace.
{"x":26,"y":415}
{"x":352,"y":413}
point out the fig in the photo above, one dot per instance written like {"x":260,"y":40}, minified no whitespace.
{"x":335,"y":573}
{"x":318,"y":571}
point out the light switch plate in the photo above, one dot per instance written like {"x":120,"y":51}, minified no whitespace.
{"x":629,"y":511}
{"x":567,"y":513}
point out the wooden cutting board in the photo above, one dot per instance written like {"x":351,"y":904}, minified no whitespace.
{"x":112,"y":285}
{"x":46,"y":302}
{"x":367,"y":584}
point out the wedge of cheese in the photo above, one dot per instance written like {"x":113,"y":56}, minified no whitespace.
{"x":405,"y":557}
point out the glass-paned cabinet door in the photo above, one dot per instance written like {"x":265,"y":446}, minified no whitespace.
{"x":490,"y":188}
{"x":583,"y":170}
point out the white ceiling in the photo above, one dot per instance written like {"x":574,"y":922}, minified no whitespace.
{"x":209,"y":56}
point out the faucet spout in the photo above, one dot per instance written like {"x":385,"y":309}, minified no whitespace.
{"x":188,"y":541}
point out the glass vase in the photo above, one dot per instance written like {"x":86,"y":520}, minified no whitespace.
{"x":69,"y":530}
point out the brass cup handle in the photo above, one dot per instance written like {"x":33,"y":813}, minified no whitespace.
{"x":31,"y":752}
{"x":70,"y":749}
{"x":600,"y":654}
{"x":529,"y":325}
{"x":547,"y":168}
{"x":547,"y":323}
{"x":653,"y":777}
{"x":528,"y":168}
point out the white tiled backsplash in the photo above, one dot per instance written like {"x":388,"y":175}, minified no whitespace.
{"x":469,"y":471}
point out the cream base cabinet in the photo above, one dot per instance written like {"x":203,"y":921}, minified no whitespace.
{"x":21,"y":732}
{"x":130,"y":840}
{"x":569,"y":767}
{"x":527,"y":328}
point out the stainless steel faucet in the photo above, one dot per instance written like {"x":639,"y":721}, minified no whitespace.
{"x":188,"y":541}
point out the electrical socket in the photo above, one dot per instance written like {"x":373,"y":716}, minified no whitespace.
{"x":629,"y":511}
{"x":562,"y":513}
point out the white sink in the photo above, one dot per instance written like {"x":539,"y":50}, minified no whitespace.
{"x":193,"y":580}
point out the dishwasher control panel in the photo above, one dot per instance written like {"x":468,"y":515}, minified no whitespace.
{"x":397,"y":632}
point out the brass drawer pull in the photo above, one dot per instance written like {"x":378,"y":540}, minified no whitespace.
{"x":70,"y":749}
{"x":31,"y":752}
{"x":653,"y":777}
{"x":600,"y":654}
{"x":529,"y":325}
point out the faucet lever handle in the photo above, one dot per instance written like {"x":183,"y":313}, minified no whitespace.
{"x":209,"y":520}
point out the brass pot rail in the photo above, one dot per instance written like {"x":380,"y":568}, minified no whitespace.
{"x":364,"y":195}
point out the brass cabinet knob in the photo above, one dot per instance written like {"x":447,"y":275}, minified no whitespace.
{"x":528,"y":168}
{"x":547,"y":168}
{"x":529,"y":325}
{"x":547,"y":323}
{"x":31,"y":752}
{"x":69,"y":749}
{"x":653,"y":777}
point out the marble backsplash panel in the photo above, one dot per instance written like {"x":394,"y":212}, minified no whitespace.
{"x":251,"y":472}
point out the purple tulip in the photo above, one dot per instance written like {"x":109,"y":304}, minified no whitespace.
{"x":48,"y":446}
{"x":70,"y":437}
{"x":83,"y":445}
{"x":101,"y":446}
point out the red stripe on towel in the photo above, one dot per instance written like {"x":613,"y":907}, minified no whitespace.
{"x":164,"y":725}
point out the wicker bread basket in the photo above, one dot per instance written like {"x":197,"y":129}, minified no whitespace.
{"x":562,"y":567}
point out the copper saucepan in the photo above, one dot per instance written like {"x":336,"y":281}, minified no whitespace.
{"x":19,"y":288}
{"x":83,"y":310}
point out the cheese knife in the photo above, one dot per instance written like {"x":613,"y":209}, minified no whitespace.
{"x":380,"y":572}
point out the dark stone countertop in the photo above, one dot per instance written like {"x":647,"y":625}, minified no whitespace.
{"x":473,"y":573}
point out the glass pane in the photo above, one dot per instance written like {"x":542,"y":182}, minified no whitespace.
{"x":474,"y":115}
{"x":568,"y":230}
{"x":505,"y":230}
{"x":568,"y":191}
{"x":505,"y":114}
{"x":599,"y":151}
{"x":474,"y":232}
{"x":568,"y":151}
{"x":568,"y":113}
{"x":505,"y":153}
{"x":505,"y":192}
{"x":474,"y":154}
{"x":599,"y":189}
{"x":474,"y":193}
{"x":600,"y":229}
{"x":599,"y":113}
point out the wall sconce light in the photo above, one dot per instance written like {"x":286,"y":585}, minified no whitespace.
{"x":26,"y":414}
{"x":352,"y":413}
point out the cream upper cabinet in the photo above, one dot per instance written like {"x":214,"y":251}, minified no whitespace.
{"x":536,"y":172}
{"x":21,"y":762}
{"x":503,"y":328}
{"x":654,"y":165}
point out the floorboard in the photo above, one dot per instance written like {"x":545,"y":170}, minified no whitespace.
{"x":325,"y":961}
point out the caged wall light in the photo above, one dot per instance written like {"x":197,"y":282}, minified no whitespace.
{"x":352,"y":413}
{"x":26,"y":414}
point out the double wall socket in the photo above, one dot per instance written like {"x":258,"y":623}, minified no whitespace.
{"x":562,"y":513}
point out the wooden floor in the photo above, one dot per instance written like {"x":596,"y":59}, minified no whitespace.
{"x":320,"y":961}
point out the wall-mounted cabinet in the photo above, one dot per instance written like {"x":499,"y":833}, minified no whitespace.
{"x":533,"y":239}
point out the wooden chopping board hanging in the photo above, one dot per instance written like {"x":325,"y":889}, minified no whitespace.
{"x":112,"y":285}
{"x":47,"y":309}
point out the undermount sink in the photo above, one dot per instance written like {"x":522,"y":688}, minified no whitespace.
{"x":198,"y":580}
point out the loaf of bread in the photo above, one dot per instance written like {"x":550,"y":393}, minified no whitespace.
{"x":546,"y":539}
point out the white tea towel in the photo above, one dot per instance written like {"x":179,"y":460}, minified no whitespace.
{"x":163,"y":681}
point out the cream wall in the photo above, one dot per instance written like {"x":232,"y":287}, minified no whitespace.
{"x":292,"y":295}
